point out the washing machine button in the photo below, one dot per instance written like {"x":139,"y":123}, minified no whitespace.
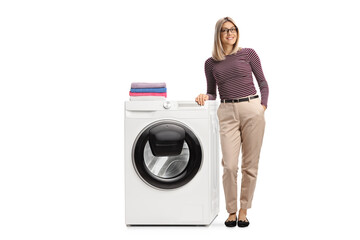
{"x":167,"y":105}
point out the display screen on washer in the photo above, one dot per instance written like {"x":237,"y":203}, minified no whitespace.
{"x":167,"y":154}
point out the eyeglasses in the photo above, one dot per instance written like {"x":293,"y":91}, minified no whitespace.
{"x":225,"y":30}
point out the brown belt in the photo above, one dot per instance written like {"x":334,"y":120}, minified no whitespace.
{"x":239,"y":100}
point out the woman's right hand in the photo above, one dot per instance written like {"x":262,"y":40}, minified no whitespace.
{"x":201,"y":99}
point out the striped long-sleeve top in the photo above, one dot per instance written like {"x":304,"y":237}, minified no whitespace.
{"x":233,"y":76}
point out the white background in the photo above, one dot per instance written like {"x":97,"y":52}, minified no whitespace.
{"x":66,"y":69}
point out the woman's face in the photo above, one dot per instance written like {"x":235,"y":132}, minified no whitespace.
{"x":228,"y":34}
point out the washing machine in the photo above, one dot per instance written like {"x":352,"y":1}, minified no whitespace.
{"x":171,"y":163}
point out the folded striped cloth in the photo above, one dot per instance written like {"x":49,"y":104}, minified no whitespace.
{"x":154,"y":90}
{"x":148,"y":85}
{"x":148,"y":94}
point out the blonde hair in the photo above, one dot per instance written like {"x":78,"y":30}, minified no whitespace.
{"x":218,"y":51}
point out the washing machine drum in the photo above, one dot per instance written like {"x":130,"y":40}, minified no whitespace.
{"x":167,"y":155}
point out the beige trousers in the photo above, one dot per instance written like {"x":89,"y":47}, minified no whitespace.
{"x":241,"y":125}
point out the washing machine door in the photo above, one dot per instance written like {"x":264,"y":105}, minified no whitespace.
{"x":167,"y":154}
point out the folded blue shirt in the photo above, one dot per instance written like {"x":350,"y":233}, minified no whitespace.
{"x":147,"y":90}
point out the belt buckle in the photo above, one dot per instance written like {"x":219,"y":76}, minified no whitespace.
{"x":248,"y":99}
{"x":232,"y":100}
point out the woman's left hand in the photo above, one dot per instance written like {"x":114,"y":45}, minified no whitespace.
{"x":264,"y":107}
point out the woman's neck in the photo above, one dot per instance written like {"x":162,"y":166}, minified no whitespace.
{"x":228,"y":49}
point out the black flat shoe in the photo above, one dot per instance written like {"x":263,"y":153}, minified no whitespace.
{"x":242,"y":223}
{"x":231,"y":223}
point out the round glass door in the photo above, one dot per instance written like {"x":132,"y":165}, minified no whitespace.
{"x":167,"y":154}
{"x":166,"y":167}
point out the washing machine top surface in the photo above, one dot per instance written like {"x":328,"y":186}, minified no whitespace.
{"x":169,"y":105}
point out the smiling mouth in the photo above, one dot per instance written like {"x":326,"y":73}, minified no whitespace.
{"x":230,"y":38}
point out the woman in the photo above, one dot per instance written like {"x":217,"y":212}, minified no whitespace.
{"x":241,"y":114}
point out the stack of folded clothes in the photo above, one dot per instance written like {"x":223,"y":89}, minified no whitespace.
{"x":148,"y":91}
